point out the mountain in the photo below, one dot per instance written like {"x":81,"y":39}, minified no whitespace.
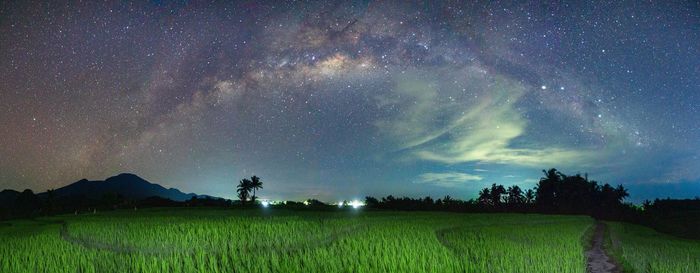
{"x":130,"y":186}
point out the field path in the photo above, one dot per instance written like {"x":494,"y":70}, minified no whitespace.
{"x":310,"y":243}
{"x":99,"y":245}
{"x":598,"y":260}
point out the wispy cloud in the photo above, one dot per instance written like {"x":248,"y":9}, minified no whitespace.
{"x":482,"y":129}
{"x":447,"y":179}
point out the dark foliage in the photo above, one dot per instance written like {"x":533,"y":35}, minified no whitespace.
{"x":246,"y":186}
{"x":555,"y":193}
{"x":677,"y":217}
{"x":559,"y":193}
{"x":209,"y":202}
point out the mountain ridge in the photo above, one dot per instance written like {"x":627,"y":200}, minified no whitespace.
{"x":127,"y":185}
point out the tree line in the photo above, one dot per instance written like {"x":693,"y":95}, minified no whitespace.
{"x":555,"y":193}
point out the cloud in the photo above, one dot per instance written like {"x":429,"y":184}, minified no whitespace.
{"x":481,"y":126}
{"x":448,"y":179}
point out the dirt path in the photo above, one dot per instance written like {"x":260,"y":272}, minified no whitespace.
{"x":598,"y":260}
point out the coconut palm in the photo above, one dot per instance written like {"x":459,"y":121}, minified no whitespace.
{"x":244,"y":187}
{"x":529,"y":196}
{"x":515,"y":196}
{"x":255,"y":184}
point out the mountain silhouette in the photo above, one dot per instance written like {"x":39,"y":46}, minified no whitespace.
{"x":129,"y":186}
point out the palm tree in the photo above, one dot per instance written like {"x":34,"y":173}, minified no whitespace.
{"x":621,"y":193}
{"x":485,"y":196}
{"x":243,"y":189}
{"x":515,"y":196}
{"x":497,"y":192}
{"x":255,"y":184}
{"x":529,"y":196}
{"x":447,"y":200}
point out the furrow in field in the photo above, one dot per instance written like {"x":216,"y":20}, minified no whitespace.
{"x":309,"y":242}
{"x":441,"y":233}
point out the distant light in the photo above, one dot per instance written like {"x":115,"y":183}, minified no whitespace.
{"x":340,"y":204}
{"x":306,"y":203}
{"x":265,"y":204}
{"x":356,"y":204}
{"x":544,"y":87}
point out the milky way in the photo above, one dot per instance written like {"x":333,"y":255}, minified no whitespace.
{"x":338,"y":100}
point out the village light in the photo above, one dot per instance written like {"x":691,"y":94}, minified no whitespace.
{"x":356,"y":204}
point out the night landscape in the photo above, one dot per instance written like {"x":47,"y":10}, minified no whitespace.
{"x":349,"y":136}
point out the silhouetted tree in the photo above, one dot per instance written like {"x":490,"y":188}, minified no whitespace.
{"x":622,"y":193}
{"x":371,"y":202}
{"x":318,"y":203}
{"x":388,"y":199}
{"x":447,"y":199}
{"x":560,"y":193}
{"x":546,"y":190}
{"x":529,"y":196}
{"x":497,"y":192}
{"x":27,"y":203}
{"x":554,"y":193}
{"x":244,"y":187}
{"x":255,"y":184}
{"x":428,"y":202}
{"x":485,"y":197}
{"x":515,"y":197}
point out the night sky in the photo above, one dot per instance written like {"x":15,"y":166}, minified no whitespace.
{"x":341,"y":100}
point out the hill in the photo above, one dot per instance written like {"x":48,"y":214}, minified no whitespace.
{"x":129,"y":186}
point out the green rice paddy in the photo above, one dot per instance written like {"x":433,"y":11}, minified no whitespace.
{"x":219,"y":240}
{"x":641,"y":249}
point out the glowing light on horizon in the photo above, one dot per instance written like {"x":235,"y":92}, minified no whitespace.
{"x":356,"y":204}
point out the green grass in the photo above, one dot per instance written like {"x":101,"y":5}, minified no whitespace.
{"x":641,"y":249}
{"x":217,"y":240}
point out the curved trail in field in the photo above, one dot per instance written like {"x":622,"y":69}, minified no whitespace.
{"x":93,"y":244}
{"x":310,"y":243}
{"x":441,"y":233}
{"x":598,"y":260}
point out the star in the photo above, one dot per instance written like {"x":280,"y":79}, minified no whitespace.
{"x":373,"y":95}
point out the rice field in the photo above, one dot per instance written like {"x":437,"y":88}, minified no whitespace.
{"x":219,"y":240}
{"x":641,"y":249}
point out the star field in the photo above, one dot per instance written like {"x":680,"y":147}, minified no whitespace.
{"x":338,"y":100}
